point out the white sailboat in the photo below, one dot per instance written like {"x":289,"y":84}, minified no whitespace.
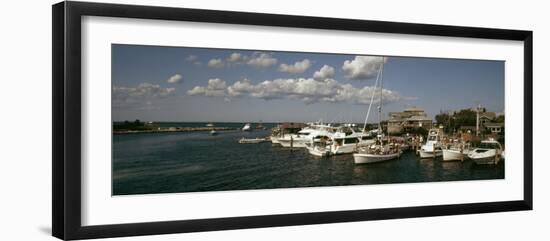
{"x":381,"y":150}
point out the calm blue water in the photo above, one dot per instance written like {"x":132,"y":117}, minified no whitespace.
{"x":191,"y":162}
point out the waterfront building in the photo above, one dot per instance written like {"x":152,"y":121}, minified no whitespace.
{"x":408,"y":119}
{"x":495,"y":128}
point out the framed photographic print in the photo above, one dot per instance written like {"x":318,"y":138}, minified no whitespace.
{"x":169,"y":120}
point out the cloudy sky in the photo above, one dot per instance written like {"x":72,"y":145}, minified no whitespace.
{"x":216,"y":85}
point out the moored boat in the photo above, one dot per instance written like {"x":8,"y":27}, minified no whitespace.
{"x":432,"y":148}
{"x":383,"y":149}
{"x":213,"y":132}
{"x":246,"y":127}
{"x":252,"y":141}
{"x":489,"y":152}
{"x":376,"y":153}
{"x":456,"y":152}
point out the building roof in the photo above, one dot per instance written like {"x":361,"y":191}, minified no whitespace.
{"x":414,"y":109}
{"x":489,"y":115}
{"x":418,"y":118}
{"x":493,"y":124}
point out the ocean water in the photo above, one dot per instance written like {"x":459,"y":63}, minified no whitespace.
{"x":196,"y":161}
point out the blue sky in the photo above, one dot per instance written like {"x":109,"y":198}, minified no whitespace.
{"x":216,"y":85}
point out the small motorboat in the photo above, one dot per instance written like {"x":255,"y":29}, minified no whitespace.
{"x":319,"y":146}
{"x":247,"y":127}
{"x":213,"y":132}
{"x":489,"y":152}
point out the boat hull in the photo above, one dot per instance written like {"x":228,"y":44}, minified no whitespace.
{"x":485,"y":157}
{"x":275,"y":140}
{"x":344,"y":149}
{"x":454,"y":155}
{"x":486,"y":161}
{"x":319,"y":152}
{"x":360,"y":158}
{"x":298,"y":143}
{"x":430,"y":154}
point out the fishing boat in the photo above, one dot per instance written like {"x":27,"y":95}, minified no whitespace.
{"x":246,"y":127}
{"x":377,"y":153}
{"x":383,"y":149}
{"x":456,"y":152}
{"x":252,"y":140}
{"x":432,"y":148}
{"x":489,"y":152}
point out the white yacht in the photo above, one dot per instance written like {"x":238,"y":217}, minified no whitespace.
{"x":305,"y":135}
{"x":432,"y":148}
{"x":246,"y":127}
{"x":345,"y":140}
{"x":296,"y":140}
{"x":489,"y":152}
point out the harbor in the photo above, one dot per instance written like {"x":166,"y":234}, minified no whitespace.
{"x":169,"y":162}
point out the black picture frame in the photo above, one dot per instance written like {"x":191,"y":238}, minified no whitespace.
{"x":66,"y":127}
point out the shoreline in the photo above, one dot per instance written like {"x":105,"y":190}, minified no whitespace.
{"x":174,"y":129}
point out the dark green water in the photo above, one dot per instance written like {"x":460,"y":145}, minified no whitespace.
{"x":192,"y":162}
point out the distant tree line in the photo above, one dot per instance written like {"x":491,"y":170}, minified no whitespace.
{"x":466,"y":117}
{"x":131,"y":126}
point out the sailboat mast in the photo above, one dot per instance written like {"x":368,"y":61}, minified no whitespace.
{"x":372,"y":98}
{"x":381,"y":92}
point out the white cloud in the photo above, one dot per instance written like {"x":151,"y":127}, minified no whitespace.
{"x":296,"y":68}
{"x":263,"y":60}
{"x":194,"y":59}
{"x":215,"y":87}
{"x":307,"y":90}
{"x":216,"y":63}
{"x":142,"y":95}
{"x":175,"y":79}
{"x":236,"y":58}
{"x":324,"y":73}
{"x":362,"y":67}
{"x":191,"y":58}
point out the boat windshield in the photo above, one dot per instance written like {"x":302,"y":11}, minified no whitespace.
{"x":489,"y":145}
